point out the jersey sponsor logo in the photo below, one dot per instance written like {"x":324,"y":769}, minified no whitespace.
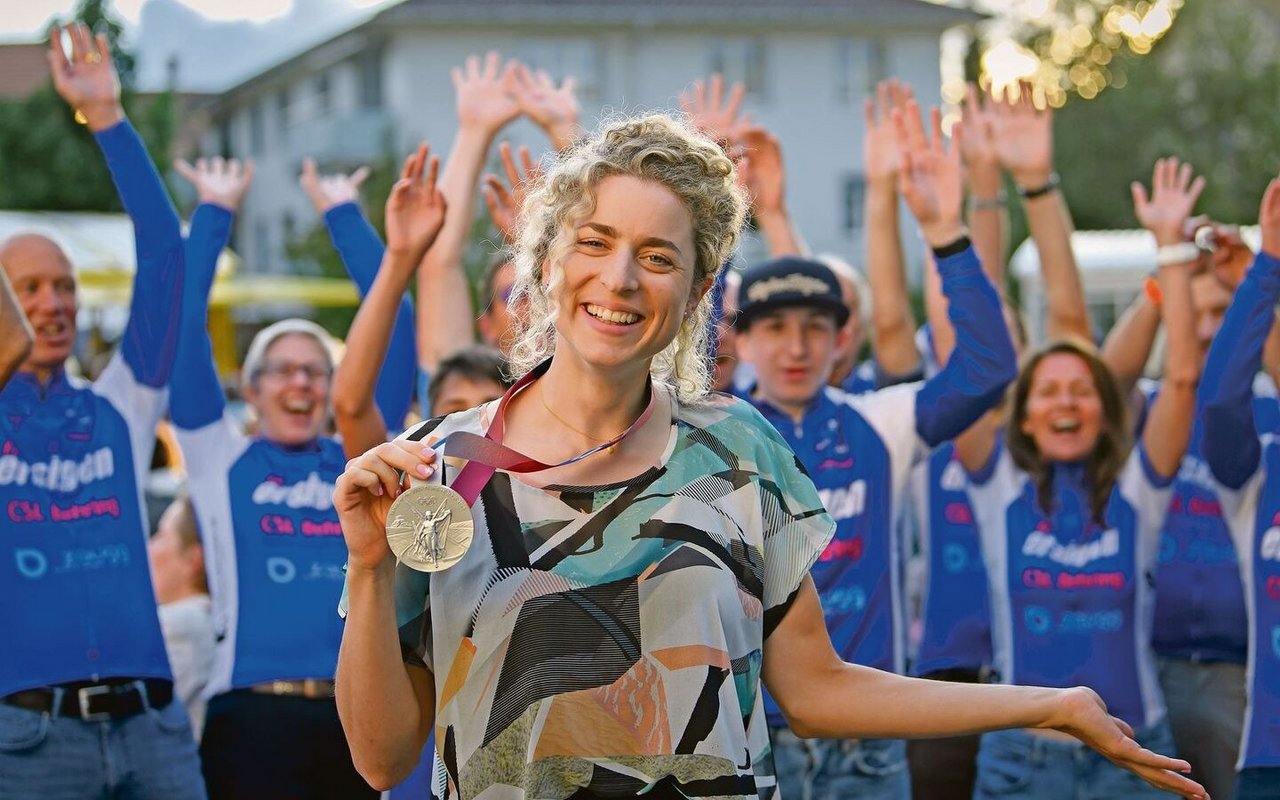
{"x":958,"y":513}
{"x":1043,"y":545}
{"x":57,"y":474}
{"x":1275,"y":640}
{"x":313,"y":492}
{"x":844,"y":600}
{"x":845,"y":502}
{"x":1043,"y":579}
{"x":1039,"y":620}
{"x":31,"y":563}
{"x":955,"y":558}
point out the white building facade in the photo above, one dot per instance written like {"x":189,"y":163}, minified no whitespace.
{"x":383,"y":86}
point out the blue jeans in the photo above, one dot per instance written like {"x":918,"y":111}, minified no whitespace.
{"x":147,"y":756}
{"x":836,"y":769}
{"x":1257,"y":783}
{"x":1017,"y":764}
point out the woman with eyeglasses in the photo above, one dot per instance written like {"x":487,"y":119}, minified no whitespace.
{"x":273,"y":544}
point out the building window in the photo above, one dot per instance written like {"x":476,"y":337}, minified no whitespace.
{"x":257,"y":129}
{"x":854,"y":190}
{"x":861,"y":66}
{"x":740,"y":61}
{"x":369,"y":76}
{"x":561,"y":58}
{"x":324,"y":94}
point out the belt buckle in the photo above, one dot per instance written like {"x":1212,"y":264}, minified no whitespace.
{"x":84,"y":696}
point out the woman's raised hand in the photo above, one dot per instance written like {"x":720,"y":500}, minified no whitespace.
{"x":87,"y":80}
{"x":415,"y":207}
{"x":505,"y":199}
{"x":1173,"y":196}
{"x":327,"y":191}
{"x":364,"y":492}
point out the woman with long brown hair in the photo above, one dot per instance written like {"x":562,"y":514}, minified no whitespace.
{"x":1069,"y":513}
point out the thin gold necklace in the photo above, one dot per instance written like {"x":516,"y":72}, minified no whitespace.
{"x":543,"y":397}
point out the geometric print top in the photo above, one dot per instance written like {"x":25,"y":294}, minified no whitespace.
{"x":606,"y":641}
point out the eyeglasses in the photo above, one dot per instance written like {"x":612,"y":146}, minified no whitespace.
{"x":285,"y":371}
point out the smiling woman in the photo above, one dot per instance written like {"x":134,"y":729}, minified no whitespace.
{"x":640,"y":548}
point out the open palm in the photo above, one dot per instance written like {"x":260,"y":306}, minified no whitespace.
{"x":415,"y":208}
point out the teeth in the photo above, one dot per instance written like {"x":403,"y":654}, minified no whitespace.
{"x":49,"y":330}
{"x":297,"y":406}
{"x":1064,"y":425}
{"x":616,"y":317}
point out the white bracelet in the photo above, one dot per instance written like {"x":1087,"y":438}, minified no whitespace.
{"x":1180,"y":253}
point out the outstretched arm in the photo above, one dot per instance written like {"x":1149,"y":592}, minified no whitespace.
{"x":1024,"y":138}
{"x":16,"y":336}
{"x":1128,"y":344}
{"x":823,"y":696}
{"x":415,"y":212}
{"x":195,"y":394}
{"x":335,"y":199}
{"x":1168,"y":429}
{"x":1230,"y":435}
{"x":486,"y":102}
{"x":893,"y":326}
{"x":983,"y":362}
{"x":88,"y":82}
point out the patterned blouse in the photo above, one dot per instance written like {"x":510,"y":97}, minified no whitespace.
{"x":605,"y":641}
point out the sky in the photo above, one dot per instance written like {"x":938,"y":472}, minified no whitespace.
{"x":218,"y":42}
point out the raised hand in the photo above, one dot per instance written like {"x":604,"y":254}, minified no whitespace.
{"x":980,"y":150}
{"x":1173,"y":196}
{"x":711,"y":112}
{"x":1023,"y":136}
{"x":760,"y":169}
{"x":365,"y":490}
{"x":554,"y":109}
{"x":505,"y":199}
{"x":415,"y":207}
{"x":1269,"y":218}
{"x":327,"y":191}
{"x":931,"y":180}
{"x":881,"y":148}
{"x":218,"y":181}
{"x":486,"y":94}
{"x":87,"y":80}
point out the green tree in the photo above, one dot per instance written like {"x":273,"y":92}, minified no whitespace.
{"x":49,"y":161}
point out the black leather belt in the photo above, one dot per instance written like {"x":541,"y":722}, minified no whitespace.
{"x":96,"y":702}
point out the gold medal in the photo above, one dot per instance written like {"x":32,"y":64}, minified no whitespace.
{"x":429,"y":527}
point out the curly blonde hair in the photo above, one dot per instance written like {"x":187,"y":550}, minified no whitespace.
{"x":657,"y":148}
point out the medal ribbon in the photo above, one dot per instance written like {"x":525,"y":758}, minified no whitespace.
{"x":486,"y":454}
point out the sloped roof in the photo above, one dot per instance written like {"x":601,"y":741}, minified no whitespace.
{"x":652,"y":13}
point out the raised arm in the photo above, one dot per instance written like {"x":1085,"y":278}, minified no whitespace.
{"x":335,"y":198}
{"x":988,"y":206}
{"x":552,"y":108}
{"x":195,"y":394}
{"x":415,"y":212}
{"x":486,"y":102}
{"x":1024,"y":141}
{"x":16,"y":336}
{"x":983,"y":362}
{"x":88,"y":82}
{"x":760,"y":169}
{"x":1128,"y":344}
{"x":893,"y":326}
{"x":1168,"y":430}
{"x":1230,"y":436}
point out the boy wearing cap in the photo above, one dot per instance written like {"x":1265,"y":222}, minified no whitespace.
{"x":859,"y":451}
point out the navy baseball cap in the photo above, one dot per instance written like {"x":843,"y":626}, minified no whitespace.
{"x":789,"y":281}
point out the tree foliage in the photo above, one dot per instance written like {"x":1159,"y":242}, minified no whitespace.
{"x":49,"y":161}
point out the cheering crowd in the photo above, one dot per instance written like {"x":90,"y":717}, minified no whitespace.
{"x":740,"y":529}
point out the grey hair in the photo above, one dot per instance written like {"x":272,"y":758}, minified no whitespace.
{"x":658,"y":148}
{"x":268,"y":335}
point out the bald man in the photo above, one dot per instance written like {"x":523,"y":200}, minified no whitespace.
{"x":85,"y":684}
